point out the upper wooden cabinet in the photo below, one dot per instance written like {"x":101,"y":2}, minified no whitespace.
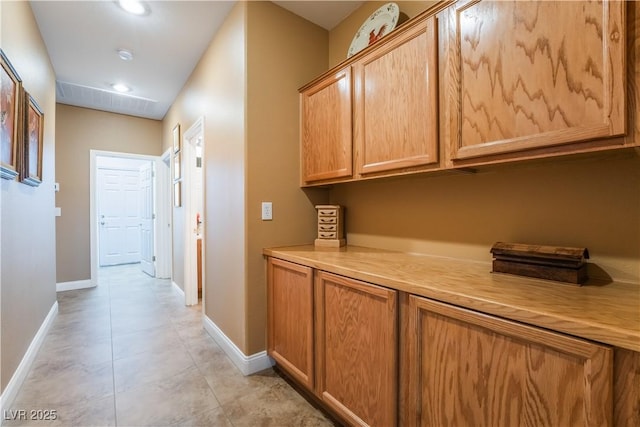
{"x":476,"y":82}
{"x":326,"y":146}
{"x":522,"y":76}
{"x":395,"y":102}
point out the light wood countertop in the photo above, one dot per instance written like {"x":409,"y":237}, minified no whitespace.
{"x":607,"y":313}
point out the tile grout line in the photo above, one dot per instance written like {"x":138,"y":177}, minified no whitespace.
{"x":184,"y":343}
{"x":113,"y":369}
{"x":183,"y":340}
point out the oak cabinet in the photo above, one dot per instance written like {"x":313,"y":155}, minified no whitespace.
{"x":626,"y":388}
{"x":356,"y":343}
{"x":476,"y":82}
{"x":467,"y":368}
{"x":377,"y":354}
{"x":378,"y":111}
{"x":337,"y":337}
{"x":395,"y":102}
{"x":526,"y":76}
{"x":326,"y":128}
{"x":290,"y":318}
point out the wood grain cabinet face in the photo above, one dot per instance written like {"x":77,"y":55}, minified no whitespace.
{"x":395,"y":102}
{"x":290,"y":318}
{"x":470,"y":369}
{"x":531,"y":75}
{"x":356,"y":333}
{"x":626,"y":388}
{"x":326,"y":128}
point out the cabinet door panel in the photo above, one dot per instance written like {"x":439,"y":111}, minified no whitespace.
{"x":357,"y":349}
{"x":529,"y":75}
{"x":626,"y":388}
{"x":395,"y":108}
{"x":290,"y":318}
{"x":478,"y":370}
{"x":326,"y":128}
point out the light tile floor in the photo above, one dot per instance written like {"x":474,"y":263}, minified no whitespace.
{"x":129,"y":353}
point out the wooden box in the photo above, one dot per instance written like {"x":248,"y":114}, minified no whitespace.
{"x":545,"y":262}
{"x":330,"y":226}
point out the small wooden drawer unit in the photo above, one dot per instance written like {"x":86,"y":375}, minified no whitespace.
{"x":330,"y":226}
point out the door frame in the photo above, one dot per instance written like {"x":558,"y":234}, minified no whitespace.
{"x":194,"y":132}
{"x":164,"y":215}
{"x":93,"y":214}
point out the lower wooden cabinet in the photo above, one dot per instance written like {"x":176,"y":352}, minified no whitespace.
{"x":469,"y":369}
{"x":375,"y":356}
{"x":356,"y":348}
{"x":290,"y":318}
{"x":345,"y":354}
{"x":626,"y":388}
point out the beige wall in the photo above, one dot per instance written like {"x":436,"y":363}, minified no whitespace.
{"x":341,"y":36}
{"x":78,"y":131}
{"x":284,"y":52}
{"x":583,"y":203}
{"x":28,"y":272}
{"x":593,"y":203}
{"x":216,"y":91}
{"x":245,"y":87}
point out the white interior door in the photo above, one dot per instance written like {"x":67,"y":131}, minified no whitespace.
{"x":163,"y":237}
{"x":119,"y":216}
{"x":147,"y":217}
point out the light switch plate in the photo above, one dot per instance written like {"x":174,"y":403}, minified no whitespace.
{"x":267,"y":211}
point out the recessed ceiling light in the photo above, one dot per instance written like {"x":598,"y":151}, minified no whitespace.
{"x":135,"y":7}
{"x":120,"y":87}
{"x":125,"y":54}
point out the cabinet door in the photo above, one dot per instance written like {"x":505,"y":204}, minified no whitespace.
{"x":532,"y":75}
{"x":470,"y":369}
{"x":290,"y":318}
{"x":626,"y":388}
{"x":395,"y":108}
{"x":326,"y":128}
{"x":357,"y":349}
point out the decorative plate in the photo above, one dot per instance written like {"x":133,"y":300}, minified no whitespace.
{"x":380,"y":23}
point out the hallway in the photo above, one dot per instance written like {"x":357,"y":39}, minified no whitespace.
{"x":129,"y":353}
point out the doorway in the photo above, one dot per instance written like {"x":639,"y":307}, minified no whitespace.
{"x":120,"y":202}
{"x":194,"y":204}
{"x":125,"y":212}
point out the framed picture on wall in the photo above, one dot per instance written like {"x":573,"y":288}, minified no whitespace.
{"x":31,"y":171}
{"x":10,"y":118}
{"x":177,"y":201}
{"x":176,"y":138}
{"x":176,"y":166}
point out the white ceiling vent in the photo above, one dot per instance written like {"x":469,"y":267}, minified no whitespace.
{"x":101,"y":99}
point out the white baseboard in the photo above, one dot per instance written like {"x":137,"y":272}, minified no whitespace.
{"x":177,"y":288}
{"x":246,"y":364}
{"x":76,"y":284}
{"x":11,"y":391}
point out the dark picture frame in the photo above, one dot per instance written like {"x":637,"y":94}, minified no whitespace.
{"x":177,"y":142}
{"x":31,"y":171}
{"x":10,"y":119}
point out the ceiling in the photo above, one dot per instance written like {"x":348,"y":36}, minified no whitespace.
{"x":82,"y":39}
